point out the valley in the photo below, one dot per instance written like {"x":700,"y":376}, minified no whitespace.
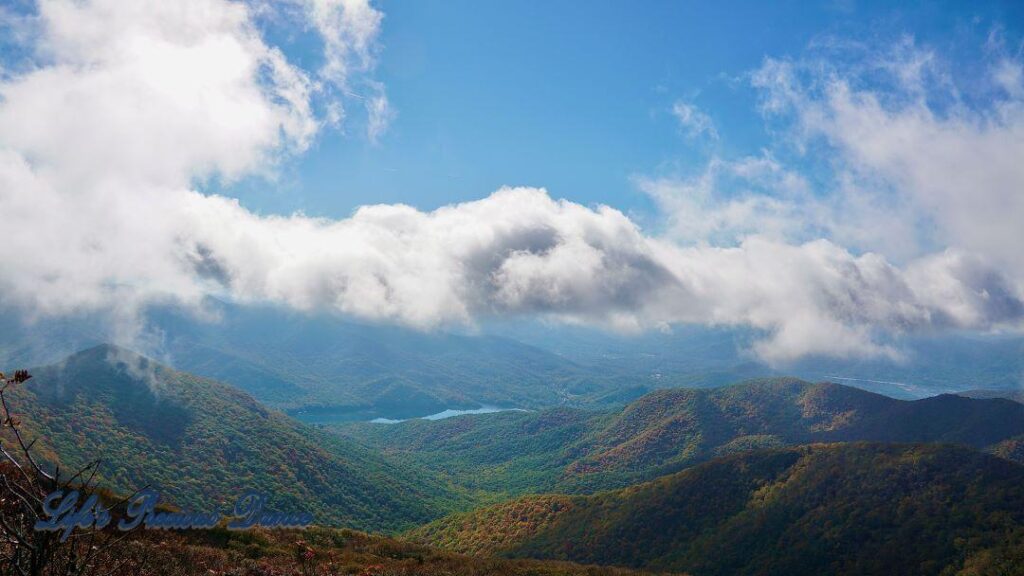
{"x":702,"y":481}
{"x":582,"y":451}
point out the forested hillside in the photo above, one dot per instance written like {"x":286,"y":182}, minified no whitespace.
{"x":202,"y":444}
{"x":836,"y":509}
{"x":578,"y":451}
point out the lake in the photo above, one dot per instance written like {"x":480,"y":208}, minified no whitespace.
{"x":449,"y":413}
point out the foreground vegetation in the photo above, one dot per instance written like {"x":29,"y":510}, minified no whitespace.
{"x":311,"y":552}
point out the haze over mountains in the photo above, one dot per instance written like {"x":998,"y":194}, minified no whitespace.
{"x":321,"y":364}
{"x":325,"y":368}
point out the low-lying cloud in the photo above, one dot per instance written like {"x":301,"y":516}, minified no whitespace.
{"x":105,"y":144}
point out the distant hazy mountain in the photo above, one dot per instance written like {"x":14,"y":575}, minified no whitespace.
{"x":202,"y":444}
{"x":566,"y":450}
{"x":326,"y":368}
{"x":1015,"y":395}
{"x":714,"y":356}
{"x":823,"y":509}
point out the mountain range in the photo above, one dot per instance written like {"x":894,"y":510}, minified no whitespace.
{"x":329,"y":369}
{"x":768,"y":476}
{"x":582,"y":451}
{"x":856,"y":508}
{"x":322,"y":368}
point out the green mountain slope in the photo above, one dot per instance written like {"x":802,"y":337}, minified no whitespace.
{"x":202,"y":444}
{"x":504,"y":453}
{"x":575,"y":451}
{"x":821,"y":509}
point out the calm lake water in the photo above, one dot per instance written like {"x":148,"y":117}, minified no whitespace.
{"x":449,"y":413}
{"x":320,"y":417}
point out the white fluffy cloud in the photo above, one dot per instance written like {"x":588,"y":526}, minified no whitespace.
{"x":133,"y":106}
{"x":947,"y":166}
{"x":520,"y":252}
{"x":349,"y":30}
{"x":128,"y":107}
{"x":919,"y":176}
{"x":693,"y":121}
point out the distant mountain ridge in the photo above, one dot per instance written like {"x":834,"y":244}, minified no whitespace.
{"x":1016,"y":395}
{"x":327,"y":368}
{"x":202,"y":444}
{"x":820,"y":509}
{"x":579,"y":451}
{"x":700,"y":356}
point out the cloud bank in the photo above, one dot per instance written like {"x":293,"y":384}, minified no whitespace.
{"x":106,"y":142}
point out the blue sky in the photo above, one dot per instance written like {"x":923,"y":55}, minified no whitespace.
{"x":834,"y":176}
{"x":578,"y":99}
